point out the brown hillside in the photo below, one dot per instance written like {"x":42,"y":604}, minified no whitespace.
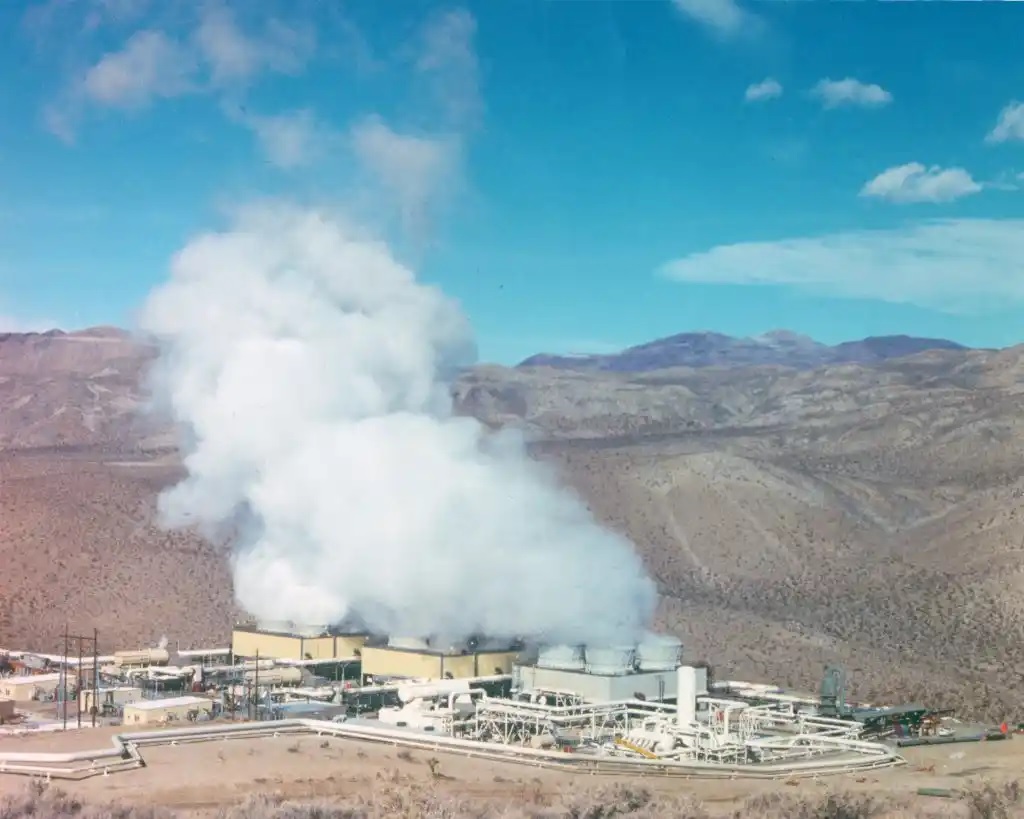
{"x":865,"y":515}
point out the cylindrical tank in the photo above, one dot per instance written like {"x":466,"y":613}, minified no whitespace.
{"x":275,"y":676}
{"x":566,"y":658}
{"x":413,"y":643}
{"x":144,"y":656}
{"x":659,"y":652}
{"x":449,"y":644}
{"x":612,"y":660}
{"x":310,"y":629}
{"x":280,"y":626}
{"x":425,"y":691}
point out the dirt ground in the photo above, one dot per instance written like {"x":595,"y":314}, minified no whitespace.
{"x":204,"y":776}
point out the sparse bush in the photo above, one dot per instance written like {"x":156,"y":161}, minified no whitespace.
{"x":393,"y":797}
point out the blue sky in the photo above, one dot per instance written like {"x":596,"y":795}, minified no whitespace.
{"x":580,"y":175}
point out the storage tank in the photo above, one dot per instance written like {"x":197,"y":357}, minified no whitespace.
{"x":277,"y":626}
{"x":411,"y":643}
{"x":143,"y":656}
{"x":275,"y":676}
{"x":310,"y":630}
{"x":659,"y":652}
{"x":610,"y":660}
{"x":563,"y":657}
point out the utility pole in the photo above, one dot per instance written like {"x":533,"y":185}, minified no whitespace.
{"x":256,"y":688}
{"x":64,"y":678}
{"x":80,"y":641}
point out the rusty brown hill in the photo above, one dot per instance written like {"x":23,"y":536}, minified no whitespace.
{"x":860,"y":514}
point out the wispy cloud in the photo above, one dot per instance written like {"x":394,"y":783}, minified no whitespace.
{"x":1010,"y":124}
{"x":447,"y":60}
{"x":150,"y":66}
{"x":767,"y":89}
{"x":724,"y":18}
{"x":411,"y":169}
{"x":294,"y":139}
{"x":216,"y":57}
{"x":850,"y":92}
{"x":956,"y":266}
{"x":914,"y":182}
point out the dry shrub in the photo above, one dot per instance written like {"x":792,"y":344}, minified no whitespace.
{"x":390,"y":799}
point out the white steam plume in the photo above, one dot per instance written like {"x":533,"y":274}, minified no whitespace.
{"x":310,"y":369}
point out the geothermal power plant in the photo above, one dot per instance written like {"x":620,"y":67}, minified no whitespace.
{"x":646,"y":708}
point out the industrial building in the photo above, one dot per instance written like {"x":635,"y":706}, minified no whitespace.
{"x":646,"y":672}
{"x":286,"y":641}
{"x":413,"y":658}
{"x":108,"y":699}
{"x":175,"y":709}
{"x":34,"y":686}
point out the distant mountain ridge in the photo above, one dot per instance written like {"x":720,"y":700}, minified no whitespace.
{"x":708,"y":349}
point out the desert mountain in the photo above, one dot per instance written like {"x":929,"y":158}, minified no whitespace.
{"x":779,"y":347}
{"x":865,"y":514}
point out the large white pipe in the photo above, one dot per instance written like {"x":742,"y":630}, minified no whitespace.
{"x":686,"y":694}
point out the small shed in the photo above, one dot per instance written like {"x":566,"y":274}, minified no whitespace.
{"x":108,"y":697}
{"x":25,"y":687}
{"x":174,"y":709}
{"x":6,"y":711}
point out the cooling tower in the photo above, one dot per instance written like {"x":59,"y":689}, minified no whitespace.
{"x":612,"y":660}
{"x":659,"y":652}
{"x":279,"y":626}
{"x":274,"y":676}
{"x":310,"y":630}
{"x":408,"y":643}
{"x":565,"y":658}
{"x":144,"y":656}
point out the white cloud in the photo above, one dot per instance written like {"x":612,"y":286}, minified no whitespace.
{"x":850,"y":92}
{"x":291,"y":140}
{"x":724,"y":17}
{"x":447,"y":58}
{"x":235,"y":57}
{"x":217,"y":57}
{"x":413,"y":169}
{"x":914,"y":182}
{"x":765,"y":90}
{"x":1010,"y":125}
{"x":150,"y":65}
{"x":956,"y":266}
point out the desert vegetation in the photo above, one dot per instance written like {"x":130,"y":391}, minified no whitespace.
{"x":866,"y":516}
{"x":389,"y":800}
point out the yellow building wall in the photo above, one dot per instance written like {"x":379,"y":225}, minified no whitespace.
{"x":246,"y":643}
{"x":389,"y":662}
{"x":22,"y":687}
{"x":153,"y":716}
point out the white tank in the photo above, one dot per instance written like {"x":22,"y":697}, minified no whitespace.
{"x":310,"y":630}
{"x":448,"y":644}
{"x":418,"y":691}
{"x":610,"y":660}
{"x":280,"y":626}
{"x":144,"y":656}
{"x":659,"y":652}
{"x":411,"y":643}
{"x":274,"y":676}
{"x":566,"y":658}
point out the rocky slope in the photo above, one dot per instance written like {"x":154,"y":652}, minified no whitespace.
{"x":779,"y":348}
{"x":860,"y":514}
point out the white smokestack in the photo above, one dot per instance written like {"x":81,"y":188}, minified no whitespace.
{"x":309,"y":369}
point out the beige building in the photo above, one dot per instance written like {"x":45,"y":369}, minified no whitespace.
{"x":389,"y":661}
{"x":159,"y":712}
{"x":24,"y":687}
{"x":250,"y":641}
{"x":121,"y":695}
